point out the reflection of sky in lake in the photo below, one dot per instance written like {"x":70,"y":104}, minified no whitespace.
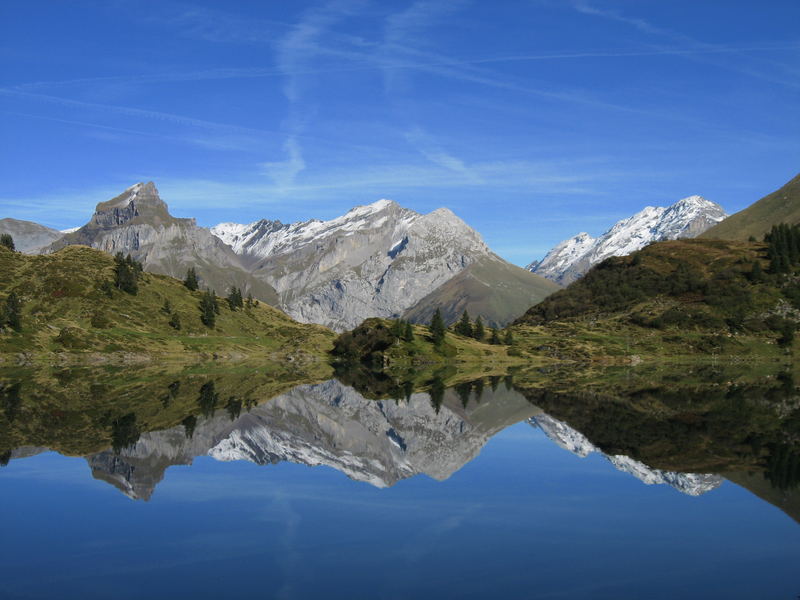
{"x":525,"y":519}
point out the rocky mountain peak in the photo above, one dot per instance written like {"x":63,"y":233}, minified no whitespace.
{"x":140,"y":201}
{"x":686,"y":218}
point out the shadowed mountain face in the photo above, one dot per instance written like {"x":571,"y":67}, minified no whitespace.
{"x":29,"y":237}
{"x":137,"y":222}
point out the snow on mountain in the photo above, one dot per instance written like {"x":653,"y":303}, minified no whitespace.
{"x":693,"y":484}
{"x":376,"y":260}
{"x":572,"y":258}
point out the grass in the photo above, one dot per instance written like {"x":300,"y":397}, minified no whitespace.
{"x":66,"y":312}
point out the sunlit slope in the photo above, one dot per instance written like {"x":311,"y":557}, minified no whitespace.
{"x":69,"y":304}
{"x":781,"y":206}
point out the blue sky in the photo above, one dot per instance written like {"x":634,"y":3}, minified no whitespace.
{"x":532,"y":120}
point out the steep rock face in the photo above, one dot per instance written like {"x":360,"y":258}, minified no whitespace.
{"x":378,"y":260}
{"x":29,"y":237}
{"x":138,"y":222}
{"x":693,"y":484}
{"x":378,"y":442}
{"x":572,"y":258}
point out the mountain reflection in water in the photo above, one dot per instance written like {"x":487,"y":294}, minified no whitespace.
{"x":433,"y":432}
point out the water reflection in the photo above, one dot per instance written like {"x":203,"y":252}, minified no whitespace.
{"x":379,"y":430}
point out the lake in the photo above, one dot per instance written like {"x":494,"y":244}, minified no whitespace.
{"x":228,"y":485}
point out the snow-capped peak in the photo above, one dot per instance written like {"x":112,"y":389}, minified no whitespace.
{"x":688,"y":217}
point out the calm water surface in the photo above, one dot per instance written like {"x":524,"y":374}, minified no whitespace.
{"x":320,"y":492}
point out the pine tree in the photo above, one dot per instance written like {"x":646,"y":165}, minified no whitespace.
{"x":249,"y":301}
{"x":175,"y":321}
{"x":464,"y":326}
{"x":7,"y":241}
{"x":167,"y":308}
{"x":437,"y":328}
{"x":125,"y":274}
{"x":235,"y":298}
{"x":191,"y":280}
{"x":756,"y":274}
{"x":408,"y":333}
{"x":12,"y":312}
{"x":479,"y":332}
{"x":215,"y":302}
{"x":495,"y":338}
{"x":509,"y":341}
{"x":207,"y":312}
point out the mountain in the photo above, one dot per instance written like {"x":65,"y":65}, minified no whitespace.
{"x":382,"y":260}
{"x":572,"y":258}
{"x":693,"y":484}
{"x":138,"y":222}
{"x":781,"y":206}
{"x":29,"y":237}
{"x":490,"y":287}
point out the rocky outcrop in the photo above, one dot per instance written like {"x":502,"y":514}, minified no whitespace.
{"x":138,"y":222}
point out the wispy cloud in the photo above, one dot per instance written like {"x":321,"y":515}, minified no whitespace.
{"x":428,"y":146}
{"x":283,"y":173}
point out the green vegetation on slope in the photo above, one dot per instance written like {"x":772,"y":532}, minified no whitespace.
{"x":71,"y":304}
{"x":496,"y":291}
{"x":672,"y":298}
{"x":781,"y":206}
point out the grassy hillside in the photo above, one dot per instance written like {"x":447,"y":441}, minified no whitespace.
{"x":781,"y":206}
{"x":493,"y":289}
{"x":671,"y":299}
{"x":70,"y":308}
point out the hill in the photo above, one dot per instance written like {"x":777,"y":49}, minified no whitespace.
{"x":670,"y":299}
{"x":497,"y":291}
{"x":781,"y":206}
{"x":72,"y":309}
{"x":28,"y":236}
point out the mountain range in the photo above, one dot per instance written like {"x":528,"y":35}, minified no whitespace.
{"x":379,"y":260}
{"x":572,"y":258}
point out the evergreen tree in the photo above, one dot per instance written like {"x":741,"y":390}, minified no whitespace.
{"x":398,"y":328}
{"x":495,"y":338}
{"x":175,"y":321}
{"x":191,"y":280}
{"x":437,"y":328}
{"x":12,"y":312}
{"x":464,"y":326}
{"x":207,"y":312}
{"x":7,"y":241}
{"x":509,"y":341}
{"x":756,"y":273}
{"x":215,"y":302}
{"x":408,"y":333}
{"x":125,"y":274}
{"x":479,"y":332}
{"x":235,"y":298}
{"x":249,"y":302}
{"x":167,"y":308}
